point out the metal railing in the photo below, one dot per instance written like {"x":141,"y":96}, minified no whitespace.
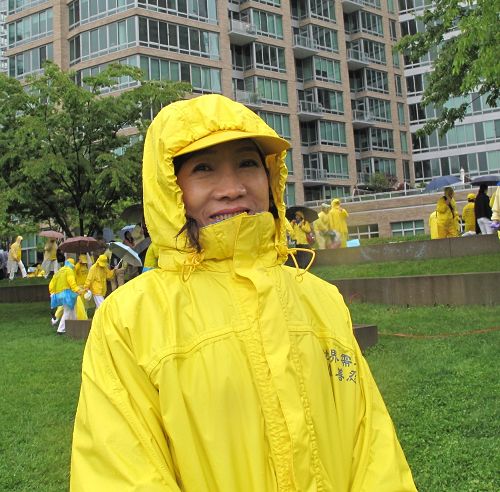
{"x":305,"y":42}
{"x":310,"y":107}
{"x":357,"y":55}
{"x":243,"y":27}
{"x":361,"y":115}
{"x":247,"y":97}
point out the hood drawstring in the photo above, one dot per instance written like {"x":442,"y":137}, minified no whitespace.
{"x":190,"y":264}
{"x":300,"y":272}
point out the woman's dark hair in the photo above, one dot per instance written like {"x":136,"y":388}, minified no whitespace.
{"x":191,"y":227}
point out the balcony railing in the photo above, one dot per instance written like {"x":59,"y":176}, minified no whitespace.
{"x":247,"y":97}
{"x":356,"y":59}
{"x":311,"y":174}
{"x":242,"y":33}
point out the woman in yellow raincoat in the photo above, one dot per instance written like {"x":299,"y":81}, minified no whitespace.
{"x":468,"y":215}
{"x":14,"y":261}
{"x":338,"y":221}
{"x":97,"y":278}
{"x":222,"y":369}
{"x":50,"y":263}
{"x":447,"y":217}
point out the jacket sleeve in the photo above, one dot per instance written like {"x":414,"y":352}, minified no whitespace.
{"x":72,"y":282}
{"x":442,"y":206}
{"x":378,"y":459}
{"x":496,"y":206}
{"x":119,"y":443}
{"x":89,"y":279}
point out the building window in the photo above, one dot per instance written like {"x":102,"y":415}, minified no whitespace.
{"x":289,"y":197}
{"x":280,"y":123}
{"x":30,"y":28}
{"x":404,"y":142}
{"x":317,"y":68}
{"x":265,"y":57}
{"x":201,"y":10}
{"x":289,"y":161}
{"x":15,"y":6}
{"x":371,"y":51}
{"x":399,"y":85}
{"x":203,"y":79}
{"x":407,"y":228}
{"x":270,"y":91}
{"x":325,"y":165}
{"x":28,"y":250}
{"x":267,"y":24}
{"x":363,"y":231}
{"x":30,"y":62}
{"x":332,"y":133}
{"x":401,"y":113}
{"x":84,"y":11}
{"x":393,"y":31}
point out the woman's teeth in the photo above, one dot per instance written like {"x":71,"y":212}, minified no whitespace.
{"x":219,"y":218}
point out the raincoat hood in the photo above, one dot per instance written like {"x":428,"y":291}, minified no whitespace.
{"x":471,"y":197}
{"x":102,"y":260}
{"x":19,"y":239}
{"x":335,"y":202}
{"x":191,"y":125}
{"x":70,"y":262}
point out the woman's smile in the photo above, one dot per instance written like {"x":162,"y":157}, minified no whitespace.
{"x":223,"y":181}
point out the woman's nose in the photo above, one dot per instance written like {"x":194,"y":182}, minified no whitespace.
{"x":229,"y":185}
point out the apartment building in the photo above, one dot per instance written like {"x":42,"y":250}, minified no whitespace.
{"x":3,"y":36}
{"x":322,"y":73}
{"x":473,"y":145}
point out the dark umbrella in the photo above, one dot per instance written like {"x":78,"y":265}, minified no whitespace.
{"x":51,"y":234}
{"x":488,"y":180}
{"x":79,"y":244}
{"x":309,"y":214}
{"x":133,"y":213}
{"x":441,"y":182}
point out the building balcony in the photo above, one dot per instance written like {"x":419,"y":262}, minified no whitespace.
{"x":304,"y":46}
{"x":356,"y":59}
{"x":362,"y":119}
{"x":309,"y":111}
{"x":248,"y":98}
{"x":242,"y":33}
{"x":350,"y":6}
{"x":315,"y":175}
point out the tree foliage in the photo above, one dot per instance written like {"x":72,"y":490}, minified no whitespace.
{"x":66,"y":152}
{"x":466,"y":37}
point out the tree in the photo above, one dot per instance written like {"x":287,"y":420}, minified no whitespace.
{"x":68,"y":153}
{"x":466,"y":37}
{"x":380,"y":182}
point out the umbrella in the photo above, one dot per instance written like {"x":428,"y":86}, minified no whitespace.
{"x":142,"y":245}
{"x":79,"y":244}
{"x":488,"y":180}
{"x":133,"y":213}
{"x":51,"y":234}
{"x":309,"y":214}
{"x":126,"y":253}
{"x":441,"y":182}
{"x":127,"y":228}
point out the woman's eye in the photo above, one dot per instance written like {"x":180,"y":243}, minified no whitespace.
{"x":201,"y":168}
{"x":249,"y":163}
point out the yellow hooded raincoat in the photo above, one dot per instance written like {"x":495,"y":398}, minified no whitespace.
{"x":338,"y":221}
{"x":225,"y":370}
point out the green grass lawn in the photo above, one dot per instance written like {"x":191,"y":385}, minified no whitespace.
{"x":443,"y":394}
{"x":466,"y":264}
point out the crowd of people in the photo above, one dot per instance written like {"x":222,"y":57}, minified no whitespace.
{"x":480,"y":215}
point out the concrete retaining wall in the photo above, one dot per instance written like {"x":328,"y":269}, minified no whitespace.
{"x":410,"y":250}
{"x":454,"y":290}
{"x":24,"y":293}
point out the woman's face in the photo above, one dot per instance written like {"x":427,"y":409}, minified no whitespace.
{"x":223,"y":181}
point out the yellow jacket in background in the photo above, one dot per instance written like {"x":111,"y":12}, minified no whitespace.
{"x":300,"y":231}
{"x":62,"y":280}
{"x":223,"y":370}
{"x":50,"y":250}
{"x":447,"y":218}
{"x":81,"y":272}
{"x":97,"y":278}
{"x":469,"y":217}
{"x":338,"y":221}
{"x":433,"y":227}
{"x":15,"y":250}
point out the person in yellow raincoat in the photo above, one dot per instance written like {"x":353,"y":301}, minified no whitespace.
{"x":64,"y":292}
{"x":14,"y":261}
{"x":222,"y":369}
{"x":433,"y":227}
{"x":338,"y":221}
{"x":300,"y":229}
{"x":447,"y":217}
{"x":468,"y":215}
{"x":49,"y":263}
{"x":97,"y":278}
{"x":322,"y":226}
{"x":151,"y":259}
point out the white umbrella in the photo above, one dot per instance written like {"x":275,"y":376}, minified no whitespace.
{"x":125,"y":253}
